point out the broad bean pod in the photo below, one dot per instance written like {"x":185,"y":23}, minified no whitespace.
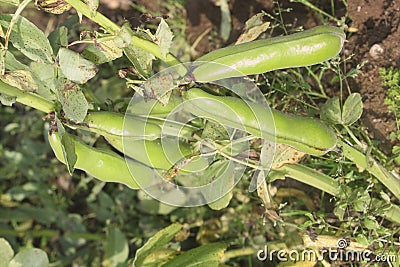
{"x":305,"y":134}
{"x":104,"y":165}
{"x":154,"y":108}
{"x":159,"y":154}
{"x":133,"y":127}
{"x":300,"y":49}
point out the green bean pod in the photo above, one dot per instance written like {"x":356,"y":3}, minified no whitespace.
{"x":103,"y":122}
{"x":300,"y":49}
{"x":308,"y":135}
{"x":154,"y":108}
{"x":102,"y":164}
{"x":159,"y":154}
{"x":133,"y":127}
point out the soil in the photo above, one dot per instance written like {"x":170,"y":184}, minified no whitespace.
{"x":377,"y":23}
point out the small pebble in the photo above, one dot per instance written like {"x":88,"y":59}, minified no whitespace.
{"x":376,"y":51}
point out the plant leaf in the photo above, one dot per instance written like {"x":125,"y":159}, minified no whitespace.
{"x":44,"y":76}
{"x":141,"y":60}
{"x":158,"y":87}
{"x":12,"y":63}
{"x":103,"y":51}
{"x":224,"y":172}
{"x":68,"y":148}
{"x":75,"y":67}
{"x":157,"y":241}
{"x":203,"y":256}
{"x":6,"y":252}
{"x":352,"y":109}
{"x":331,"y":112}
{"x":58,"y":38}
{"x":31,"y":257}
{"x":116,"y":248}
{"x":28,"y":39}
{"x":164,"y":37}
{"x":22,"y":79}
{"x":254,"y":27}
{"x":73,"y":101}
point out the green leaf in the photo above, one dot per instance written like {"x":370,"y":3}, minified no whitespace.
{"x":12,"y":63}
{"x":141,"y":60}
{"x":164,"y":37}
{"x":58,"y":38}
{"x":214,"y":131}
{"x":68,"y":148}
{"x":22,"y":79}
{"x":75,"y":67}
{"x":352,"y":109}
{"x":361,"y":200}
{"x":116,"y":248}
{"x":226,"y":26}
{"x":73,"y":101}
{"x":44,"y":76}
{"x":6,"y":253}
{"x":223,"y":173}
{"x":158,"y":87}
{"x":32,"y":257}
{"x":203,"y":256}
{"x":331,"y":112}
{"x":371,"y":223}
{"x":159,"y":257}
{"x":157,"y":241}
{"x":103,"y":51}
{"x":340,"y":210}
{"x":362,"y":239}
{"x":28,"y":39}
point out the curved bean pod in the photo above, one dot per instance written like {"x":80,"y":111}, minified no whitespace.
{"x":133,"y":127}
{"x":305,"y":134}
{"x":154,"y":108}
{"x":105,"y":165}
{"x":159,"y":154}
{"x":300,"y":49}
{"x":103,"y":122}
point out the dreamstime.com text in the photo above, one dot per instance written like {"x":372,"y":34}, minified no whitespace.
{"x":331,"y":254}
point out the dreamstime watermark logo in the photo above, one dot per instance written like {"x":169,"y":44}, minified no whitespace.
{"x":339,"y":253}
{"x":201,"y":179}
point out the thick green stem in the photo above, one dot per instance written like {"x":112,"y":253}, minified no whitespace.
{"x":97,"y":17}
{"x":369,"y":164}
{"x":311,"y":177}
{"x":112,"y":28}
{"x":30,"y":99}
{"x":327,"y":184}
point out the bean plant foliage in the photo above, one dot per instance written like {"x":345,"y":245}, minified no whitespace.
{"x":55,"y":214}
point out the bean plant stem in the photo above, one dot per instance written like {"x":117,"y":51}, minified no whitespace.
{"x":329,"y":185}
{"x":27,"y":98}
{"x":370,"y":165}
{"x":113,"y":28}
